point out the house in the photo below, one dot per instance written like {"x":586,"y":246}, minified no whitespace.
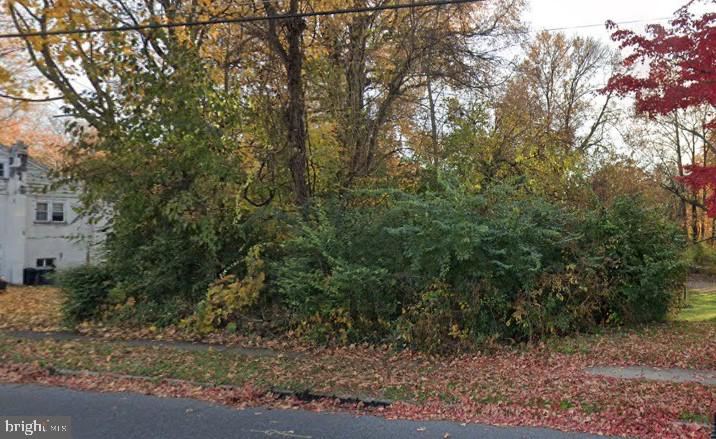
{"x":40,"y":229}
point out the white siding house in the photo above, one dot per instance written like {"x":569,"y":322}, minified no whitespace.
{"x":39,"y":227}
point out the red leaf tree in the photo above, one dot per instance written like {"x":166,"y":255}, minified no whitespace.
{"x":670,"y":68}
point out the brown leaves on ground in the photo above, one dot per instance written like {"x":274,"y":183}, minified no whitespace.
{"x":530,"y":387}
{"x":539,"y":385}
{"x":30,"y":308}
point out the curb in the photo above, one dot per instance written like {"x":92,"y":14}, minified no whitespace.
{"x":303,"y":395}
{"x":307,"y":395}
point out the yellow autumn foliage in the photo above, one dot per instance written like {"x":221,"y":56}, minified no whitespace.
{"x":229,"y":296}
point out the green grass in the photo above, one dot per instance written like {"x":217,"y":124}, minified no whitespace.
{"x":154,"y":362}
{"x":694,"y":417}
{"x":571,"y":345}
{"x":699,"y":307}
{"x":590,"y":408}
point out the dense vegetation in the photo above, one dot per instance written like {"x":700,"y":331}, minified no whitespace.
{"x":434,"y":271}
{"x":437,"y":269}
{"x":358,"y":177}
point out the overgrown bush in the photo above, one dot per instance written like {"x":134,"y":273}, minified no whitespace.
{"x":171,"y":181}
{"x":434,"y":271}
{"x":156,"y":264}
{"x":85,"y":291}
{"x":133,"y":314}
{"x":228,"y":297}
{"x":453,"y":269}
{"x":638,"y":254}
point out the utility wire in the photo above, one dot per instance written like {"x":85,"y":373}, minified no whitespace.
{"x":587,"y":26}
{"x":247,"y":19}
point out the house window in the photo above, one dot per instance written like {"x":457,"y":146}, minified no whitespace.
{"x":41,"y":213}
{"x":2,"y":169}
{"x":46,"y":212}
{"x":58,"y":212}
{"x":46,"y":263}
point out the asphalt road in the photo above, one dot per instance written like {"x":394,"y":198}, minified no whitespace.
{"x":128,"y":416}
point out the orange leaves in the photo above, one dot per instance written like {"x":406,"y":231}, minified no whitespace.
{"x":30,"y":308}
{"x":539,"y":385}
{"x":58,"y":9}
{"x":531,"y":388}
{"x":35,"y":130}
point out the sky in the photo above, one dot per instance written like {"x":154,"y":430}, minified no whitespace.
{"x":551,"y":14}
{"x":547,"y":14}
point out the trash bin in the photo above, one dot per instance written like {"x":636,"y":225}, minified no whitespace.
{"x":35,"y":276}
{"x":29,"y":276}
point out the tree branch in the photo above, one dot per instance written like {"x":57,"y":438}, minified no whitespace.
{"x":35,"y":100}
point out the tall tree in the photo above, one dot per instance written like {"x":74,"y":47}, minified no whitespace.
{"x":674,"y":68}
{"x":380,"y":66}
{"x":667,"y":145}
{"x":24,"y":115}
{"x":541,"y":124}
{"x":559,"y":76}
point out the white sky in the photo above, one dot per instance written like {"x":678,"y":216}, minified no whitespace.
{"x":551,"y":14}
{"x":545,"y":14}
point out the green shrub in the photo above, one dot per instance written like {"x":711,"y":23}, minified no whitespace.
{"x":159,"y":264}
{"x":437,"y":271}
{"x":448,"y":270}
{"x":85,"y":292}
{"x":335,"y":274}
{"x":453,"y":263}
{"x":142,"y":314}
{"x":637,"y":253}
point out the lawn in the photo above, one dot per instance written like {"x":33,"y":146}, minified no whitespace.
{"x":541,"y":384}
{"x":538,"y":385}
{"x":700,"y":307}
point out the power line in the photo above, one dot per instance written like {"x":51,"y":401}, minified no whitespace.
{"x":587,"y":26}
{"x":247,"y":19}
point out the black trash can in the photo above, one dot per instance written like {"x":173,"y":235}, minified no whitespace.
{"x":29,"y":276}
{"x":35,"y":276}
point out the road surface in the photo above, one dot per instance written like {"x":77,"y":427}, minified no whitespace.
{"x":128,"y":416}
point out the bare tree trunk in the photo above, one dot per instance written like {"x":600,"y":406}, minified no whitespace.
{"x":354,"y":118}
{"x":680,"y":166}
{"x":695,"y":195}
{"x":296,"y":112}
{"x":694,"y":223}
{"x":287,"y":44}
{"x":433,"y":122}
